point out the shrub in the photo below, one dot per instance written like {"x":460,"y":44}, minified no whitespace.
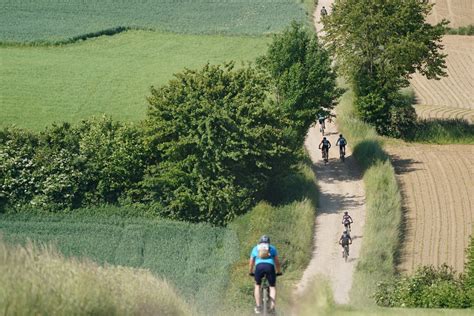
{"x":429,"y":287}
{"x":216,"y":141}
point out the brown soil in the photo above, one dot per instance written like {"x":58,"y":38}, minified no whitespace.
{"x":452,"y":96}
{"x":458,"y":12}
{"x":437,"y":184}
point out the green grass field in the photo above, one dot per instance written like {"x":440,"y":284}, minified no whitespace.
{"x":195,"y":258}
{"x":58,"y":20}
{"x":112,"y":75}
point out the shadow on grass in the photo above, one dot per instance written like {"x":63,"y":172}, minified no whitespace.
{"x":368,"y":152}
{"x":292,"y":187}
{"x":442,"y":131}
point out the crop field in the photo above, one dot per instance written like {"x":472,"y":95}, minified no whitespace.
{"x":195,"y":258}
{"x":452,"y":96}
{"x":112,"y":75}
{"x":437,"y":185}
{"x":57,"y":20}
{"x":459,"y":12}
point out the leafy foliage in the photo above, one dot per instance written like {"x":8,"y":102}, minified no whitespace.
{"x":429,"y":287}
{"x":97,"y":161}
{"x":302,"y":78}
{"x":216,"y":141}
{"x":379,"y":44}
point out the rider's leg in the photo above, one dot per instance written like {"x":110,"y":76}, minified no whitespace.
{"x":256,"y":293}
{"x":273,"y":295}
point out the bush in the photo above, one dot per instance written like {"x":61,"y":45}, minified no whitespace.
{"x":97,"y":161}
{"x":216,"y":141}
{"x":429,"y":287}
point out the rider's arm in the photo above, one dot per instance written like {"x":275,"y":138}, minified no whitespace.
{"x":251,"y":264}
{"x":277,"y":264}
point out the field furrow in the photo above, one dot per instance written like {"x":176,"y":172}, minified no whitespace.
{"x":454,"y":91}
{"x":438,"y":190}
{"x":458,"y":12}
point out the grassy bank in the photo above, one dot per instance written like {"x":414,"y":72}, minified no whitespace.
{"x":383,"y":202}
{"x":37,"y":280}
{"x":111,"y":75}
{"x":194,"y":258}
{"x":290,"y":227}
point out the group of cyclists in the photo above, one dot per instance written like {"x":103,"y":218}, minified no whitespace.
{"x":325,"y":144}
{"x":264,"y":262}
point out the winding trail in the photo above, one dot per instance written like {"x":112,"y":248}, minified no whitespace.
{"x":340,"y":189}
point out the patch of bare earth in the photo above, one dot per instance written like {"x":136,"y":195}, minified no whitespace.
{"x":437,"y":183}
{"x":458,"y":12}
{"x":452,"y":96}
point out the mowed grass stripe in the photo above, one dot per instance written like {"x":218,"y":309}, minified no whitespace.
{"x":56,"y":20}
{"x":111,"y":75}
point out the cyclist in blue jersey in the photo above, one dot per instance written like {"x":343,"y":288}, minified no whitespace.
{"x":264,"y":258}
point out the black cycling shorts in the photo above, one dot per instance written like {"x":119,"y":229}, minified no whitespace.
{"x":267,"y":270}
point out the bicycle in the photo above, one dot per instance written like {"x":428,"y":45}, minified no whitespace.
{"x":325,"y":155}
{"x":347,"y":225}
{"x":265,"y":299}
{"x":321,"y":129}
{"x":345,"y":253}
{"x":342,"y":154}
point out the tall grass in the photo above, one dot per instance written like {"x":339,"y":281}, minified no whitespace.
{"x":290,"y":227}
{"x":37,"y":280}
{"x":195,"y":258}
{"x":39,"y":21}
{"x":442,"y":131}
{"x":383,"y":206}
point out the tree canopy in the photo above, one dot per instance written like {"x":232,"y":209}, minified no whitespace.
{"x":379,"y":44}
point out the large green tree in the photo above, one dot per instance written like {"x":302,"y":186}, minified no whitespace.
{"x":301,"y":77}
{"x":379,"y":44}
{"x":217,"y":140}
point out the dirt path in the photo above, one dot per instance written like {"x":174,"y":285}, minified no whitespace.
{"x":341,"y":189}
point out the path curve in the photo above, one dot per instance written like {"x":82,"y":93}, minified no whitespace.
{"x":340,"y":189}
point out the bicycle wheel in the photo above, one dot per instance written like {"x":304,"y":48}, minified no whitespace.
{"x":346,"y":252}
{"x":265,"y":301}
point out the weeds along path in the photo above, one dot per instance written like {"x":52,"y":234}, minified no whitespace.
{"x":341,"y":189}
{"x":437,"y":183}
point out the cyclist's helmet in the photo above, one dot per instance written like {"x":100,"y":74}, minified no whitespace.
{"x":324,"y":138}
{"x":346,"y":212}
{"x":264,"y":240}
{"x":340,"y":135}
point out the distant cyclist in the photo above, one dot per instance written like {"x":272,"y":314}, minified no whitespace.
{"x":322,"y":122}
{"x":324,"y":146}
{"x":347,"y":221}
{"x":345,"y":241}
{"x":341,"y":142}
{"x":264,"y":258}
{"x":324,"y":12}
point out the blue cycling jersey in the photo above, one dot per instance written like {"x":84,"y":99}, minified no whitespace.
{"x":273,"y":254}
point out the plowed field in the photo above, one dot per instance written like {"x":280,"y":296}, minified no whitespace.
{"x":452,"y":96}
{"x":459,"y":12}
{"x":437,"y":183}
